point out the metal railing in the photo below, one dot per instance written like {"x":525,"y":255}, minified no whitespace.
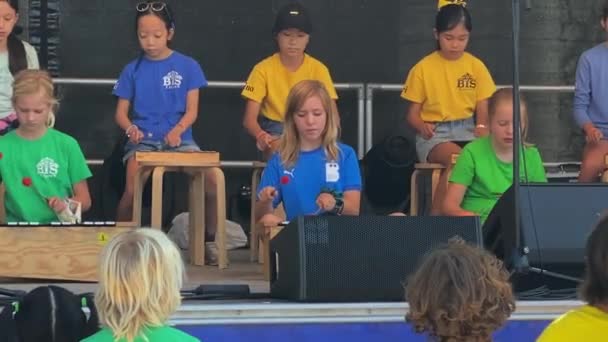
{"x":365,"y":106}
{"x":370,"y":88}
{"x":358,"y":87}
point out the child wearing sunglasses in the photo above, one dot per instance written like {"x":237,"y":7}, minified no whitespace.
{"x":162,"y":87}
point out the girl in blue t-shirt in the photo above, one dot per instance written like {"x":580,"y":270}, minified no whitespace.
{"x":162,"y":87}
{"x":311,"y":173}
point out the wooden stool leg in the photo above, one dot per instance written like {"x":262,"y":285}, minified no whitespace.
{"x":605,"y":173}
{"x":138,"y":188}
{"x":156,"y":221}
{"x":253,"y":234}
{"x":220,"y":234}
{"x":265,"y":248}
{"x":266,"y":238}
{"x":414,"y":194}
{"x":434,"y":182}
{"x":196,"y":206}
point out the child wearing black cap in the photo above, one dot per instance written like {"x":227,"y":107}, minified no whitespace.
{"x":271,"y":79}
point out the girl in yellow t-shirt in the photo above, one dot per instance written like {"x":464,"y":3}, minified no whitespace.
{"x":588,"y":323}
{"x":448,"y":92}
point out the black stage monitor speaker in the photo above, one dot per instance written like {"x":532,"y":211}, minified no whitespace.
{"x":357,"y":258}
{"x":556,"y":220}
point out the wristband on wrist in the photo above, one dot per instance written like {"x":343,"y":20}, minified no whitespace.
{"x":129,"y":129}
{"x":481,"y":126}
{"x":338,"y":197}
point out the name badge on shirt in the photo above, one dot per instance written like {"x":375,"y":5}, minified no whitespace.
{"x":332,"y":172}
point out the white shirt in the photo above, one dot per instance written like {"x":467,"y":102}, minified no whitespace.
{"x":6,"y":78}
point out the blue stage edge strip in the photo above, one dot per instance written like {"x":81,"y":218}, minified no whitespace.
{"x":515,"y":330}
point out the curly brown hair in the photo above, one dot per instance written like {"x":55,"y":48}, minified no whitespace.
{"x":594,"y":289}
{"x":459,"y":293}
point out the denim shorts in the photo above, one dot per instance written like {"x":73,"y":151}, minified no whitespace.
{"x":272,"y":127}
{"x":447,"y":131}
{"x":154,"y":145}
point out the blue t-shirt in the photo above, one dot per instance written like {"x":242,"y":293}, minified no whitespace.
{"x":298,"y":187}
{"x":590,"y":100}
{"x":157,"y":90}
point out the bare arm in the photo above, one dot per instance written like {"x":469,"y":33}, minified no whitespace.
{"x":352,"y":202}
{"x":262,"y":208}
{"x":82,"y":195}
{"x":191,"y":113}
{"x":122,"y":114}
{"x":453,"y":200}
{"x":250,"y":119}
{"x":481,"y":112}
{"x":413,"y":116}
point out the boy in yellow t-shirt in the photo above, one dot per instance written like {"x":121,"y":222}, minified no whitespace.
{"x":271,"y":79}
{"x":588,"y":323}
{"x":446,"y":89}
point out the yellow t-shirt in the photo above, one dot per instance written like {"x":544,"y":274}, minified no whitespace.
{"x":270,"y":82}
{"x":448,"y":90}
{"x":587,"y":323}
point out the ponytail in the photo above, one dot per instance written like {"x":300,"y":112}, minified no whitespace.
{"x":17,"y":59}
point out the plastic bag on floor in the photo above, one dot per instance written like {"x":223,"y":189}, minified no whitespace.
{"x":235,"y":236}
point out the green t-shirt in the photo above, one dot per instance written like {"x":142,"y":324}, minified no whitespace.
{"x":487,"y":177}
{"x":51,"y":165}
{"x":156,"y":334}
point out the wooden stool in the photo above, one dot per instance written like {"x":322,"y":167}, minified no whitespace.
{"x":605,"y":173}
{"x":265,"y":237}
{"x":435,"y":169}
{"x":66,"y":253}
{"x":258,"y":168}
{"x":195,"y":164}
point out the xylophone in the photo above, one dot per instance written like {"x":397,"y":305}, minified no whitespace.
{"x":55,"y":251}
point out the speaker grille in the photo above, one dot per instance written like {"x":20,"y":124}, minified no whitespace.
{"x":367,"y":258}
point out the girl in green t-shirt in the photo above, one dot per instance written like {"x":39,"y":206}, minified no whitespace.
{"x":484,"y":170}
{"x":44,"y":170}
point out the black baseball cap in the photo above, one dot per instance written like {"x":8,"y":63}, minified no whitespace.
{"x":292,"y":15}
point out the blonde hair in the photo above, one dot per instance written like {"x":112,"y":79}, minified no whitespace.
{"x":30,"y":82}
{"x":289,"y":145}
{"x":140,"y":276}
{"x":506,"y":94}
{"x":459,"y":293}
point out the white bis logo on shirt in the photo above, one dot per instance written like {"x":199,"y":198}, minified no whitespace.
{"x":47,"y":168}
{"x":172,"y":80}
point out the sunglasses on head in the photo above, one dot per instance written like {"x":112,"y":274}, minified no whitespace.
{"x":156,"y":6}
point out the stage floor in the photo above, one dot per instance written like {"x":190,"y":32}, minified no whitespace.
{"x":240,"y":271}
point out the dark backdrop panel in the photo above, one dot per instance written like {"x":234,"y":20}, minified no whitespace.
{"x":359,"y":40}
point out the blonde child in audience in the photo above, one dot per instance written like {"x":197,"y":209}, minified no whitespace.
{"x":140,"y":276}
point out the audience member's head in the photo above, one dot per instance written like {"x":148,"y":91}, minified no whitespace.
{"x":140,"y":276}
{"x":49,"y":313}
{"x":459,"y":293}
{"x":594,"y":289}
